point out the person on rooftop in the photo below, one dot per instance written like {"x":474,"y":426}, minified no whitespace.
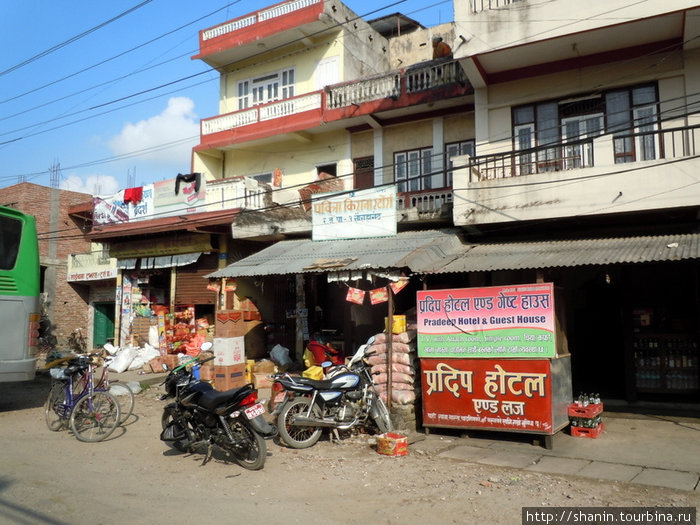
{"x":440,"y":48}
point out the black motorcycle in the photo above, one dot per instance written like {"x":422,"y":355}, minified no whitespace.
{"x":347,"y":399}
{"x":232,"y":420}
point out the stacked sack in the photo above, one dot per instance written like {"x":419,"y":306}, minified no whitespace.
{"x":404,"y":364}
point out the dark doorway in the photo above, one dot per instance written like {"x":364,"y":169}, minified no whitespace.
{"x":103,"y":327}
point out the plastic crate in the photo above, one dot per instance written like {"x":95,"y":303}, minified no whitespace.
{"x":587,"y":432}
{"x":587,"y":412}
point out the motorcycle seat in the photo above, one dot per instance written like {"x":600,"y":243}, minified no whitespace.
{"x":210,"y":400}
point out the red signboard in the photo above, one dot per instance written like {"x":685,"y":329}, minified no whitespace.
{"x":498,"y":394}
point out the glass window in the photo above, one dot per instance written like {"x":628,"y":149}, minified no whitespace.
{"x":452,"y":150}
{"x":413,"y":170}
{"x":268,"y":88}
{"x":10,"y":235}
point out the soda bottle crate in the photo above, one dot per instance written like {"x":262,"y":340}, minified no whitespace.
{"x":588,"y":412}
{"x":587,"y":432}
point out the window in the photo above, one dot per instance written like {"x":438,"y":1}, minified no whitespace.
{"x":263,"y":177}
{"x":268,"y":88}
{"x":412,"y":170}
{"x":452,"y":150}
{"x":559,"y":135}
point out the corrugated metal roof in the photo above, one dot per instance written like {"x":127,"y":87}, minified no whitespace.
{"x":420,"y":251}
{"x":552,"y":254}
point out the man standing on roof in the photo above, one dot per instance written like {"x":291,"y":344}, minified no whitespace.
{"x":440,"y":48}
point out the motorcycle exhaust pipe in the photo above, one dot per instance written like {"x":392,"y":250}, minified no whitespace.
{"x":302,"y":421}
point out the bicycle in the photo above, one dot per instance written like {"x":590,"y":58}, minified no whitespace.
{"x":103,"y":384}
{"x":92,"y":414}
{"x":114,"y":387}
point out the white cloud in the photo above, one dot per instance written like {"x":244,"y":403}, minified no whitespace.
{"x":93,"y":184}
{"x":165,"y":139}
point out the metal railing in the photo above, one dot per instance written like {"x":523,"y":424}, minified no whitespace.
{"x":603,"y":150}
{"x":426,"y":201}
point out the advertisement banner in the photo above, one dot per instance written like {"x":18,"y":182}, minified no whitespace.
{"x":117,"y":209}
{"x":499,"y":394}
{"x":357,"y":214}
{"x":494,"y":321}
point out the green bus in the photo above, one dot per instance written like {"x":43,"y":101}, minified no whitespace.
{"x":19,"y":295}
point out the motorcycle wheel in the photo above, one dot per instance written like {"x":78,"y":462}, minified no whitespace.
{"x":298,"y":436}
{"x":170,"y":414}
{"x":382,"y":418}
{"x":250,"y":450}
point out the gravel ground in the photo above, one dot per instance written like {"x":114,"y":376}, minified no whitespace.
{"x":50,"y":477}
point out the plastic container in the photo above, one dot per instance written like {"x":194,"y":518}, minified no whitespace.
{"x":588,"y":412}
{"x":398,"y":325}
{"x":587,"y":432}
{"x":391,"y":444}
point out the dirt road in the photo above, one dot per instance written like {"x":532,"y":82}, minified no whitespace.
{"x":133,"y":477}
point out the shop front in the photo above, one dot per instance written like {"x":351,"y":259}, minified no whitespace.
{"x":163,"y":297}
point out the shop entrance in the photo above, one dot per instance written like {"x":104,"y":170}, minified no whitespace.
{"x":103,"y":325}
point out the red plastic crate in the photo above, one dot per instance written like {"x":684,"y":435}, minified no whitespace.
{"x":587,"y":412}
{"x":587,"y":432}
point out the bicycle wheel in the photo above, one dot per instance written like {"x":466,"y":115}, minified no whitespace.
{"x":126,"y":400}
{"x":56,"y":408}
{"x":95,"y":417}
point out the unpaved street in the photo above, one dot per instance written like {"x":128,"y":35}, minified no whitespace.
{"x":133,"y":477}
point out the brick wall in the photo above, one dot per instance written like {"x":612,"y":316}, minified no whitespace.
{"x":67,"y":303}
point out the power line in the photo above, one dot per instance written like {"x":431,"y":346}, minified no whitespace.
{"x":73,"y":39}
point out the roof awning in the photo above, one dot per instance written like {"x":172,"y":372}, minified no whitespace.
{"x":579,"y":252}
{"x":419,"y":251}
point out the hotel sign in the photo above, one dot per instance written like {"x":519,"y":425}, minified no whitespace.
{"x":491,"y":322}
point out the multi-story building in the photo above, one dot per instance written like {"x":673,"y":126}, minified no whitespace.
{"x":587,"y":135}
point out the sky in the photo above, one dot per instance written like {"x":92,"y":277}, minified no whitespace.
{"x":104,"y":95}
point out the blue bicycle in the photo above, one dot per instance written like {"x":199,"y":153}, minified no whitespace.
{"x":92,"y":414}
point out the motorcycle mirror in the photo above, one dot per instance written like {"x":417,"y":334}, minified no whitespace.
{"x":166,"y":368}
{"x":206,"y":346}
{"x":326,"y":364}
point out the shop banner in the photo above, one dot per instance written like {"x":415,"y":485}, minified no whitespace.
{"x":117,"y":209}
{"x":495,"y":321}
{"x":502,"y":394}
{"x":354,"y":215}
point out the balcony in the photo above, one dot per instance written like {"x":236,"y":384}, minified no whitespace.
{"x":274,"y":26}
{"x":612,"y":173}
{"x":432,"y":82}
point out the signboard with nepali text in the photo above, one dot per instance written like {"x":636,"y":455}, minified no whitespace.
{"x":499,"y":394}
{"x":356,"y":214}
{"x":487,"y":322}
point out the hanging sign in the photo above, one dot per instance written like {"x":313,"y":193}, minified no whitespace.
{"x":378,"y":295}
{"x":495,"y":321}
{"x":355,"y":295}
{"x":354,"y":215}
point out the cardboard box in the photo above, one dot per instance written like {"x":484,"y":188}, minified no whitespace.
{"x":229,"y":377}
{"x":262,"y":381}
{"x":229,"y":351}
{"x":207,"y":372}
{"x":229,"y":323}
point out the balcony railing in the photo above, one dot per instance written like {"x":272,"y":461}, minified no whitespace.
{"x":420,"y":77}
{"x":260,"y":16}
{"x":278,"y":109}
{"x":484,"y":5}
{"x":237,"y":192}
{"x":600,"y":151}
{"x":427,"y":201}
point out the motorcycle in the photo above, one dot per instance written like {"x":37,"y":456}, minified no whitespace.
{"x":232,"y":420}
{"x":345,"y":400}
